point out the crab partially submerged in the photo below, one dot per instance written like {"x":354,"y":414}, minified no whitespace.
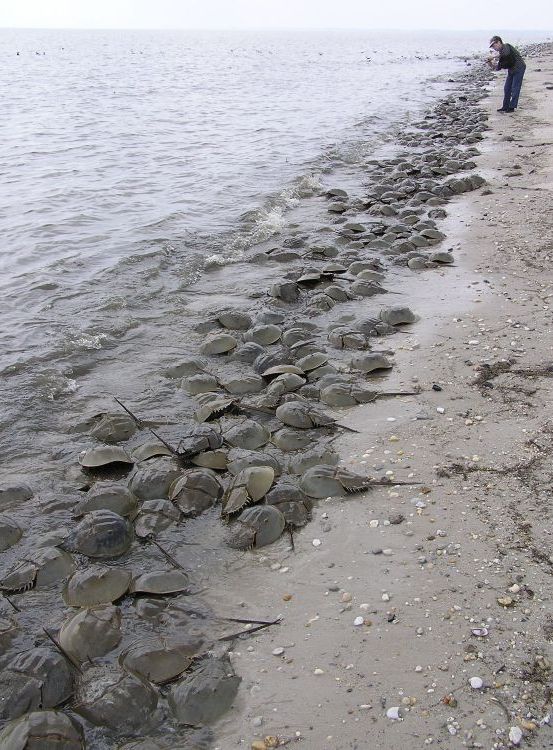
{"x":43,"y":568}
{"x":161,"y":583}
{"x":113,"y":428}
{"x":257,"y":527}
{"x":101,"y":534}
{"x":10,"y":532}
{"x":91,"y":632}
{"x":153,"y":478}
{"x":157,"y":660}
{"x":219,"y":343}
{"x":332,"y":481}
{"x":155,"y":516}
{"x":247,"y":487}
{"x":96,"y":584}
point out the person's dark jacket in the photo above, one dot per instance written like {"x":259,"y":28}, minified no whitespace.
{"x":510,"y":58}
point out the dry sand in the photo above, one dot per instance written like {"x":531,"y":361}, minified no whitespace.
{"x":475,"y":547}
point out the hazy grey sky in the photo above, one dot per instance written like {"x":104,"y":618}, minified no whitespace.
{"x":391,"y":14}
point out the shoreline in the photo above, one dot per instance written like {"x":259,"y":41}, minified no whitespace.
{"x":314,"y":608}
{"x":453,"y":559}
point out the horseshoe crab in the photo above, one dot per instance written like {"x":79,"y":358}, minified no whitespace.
{"x":248,"y":434}
{"x":198,"y":438}
{"x":235,"y":320}
{"x":286,"y":383}
{"x":397,"y":315}
{"x":99,"y":458}
{"x":161,"y":583}
{"x":312,"y":361}
{"x":101,"y":533}
{"x":122,"y":701}
{"x":358,"y":266}
{"x":153,"y":478}
{"x":10,"y":533}
{"x":367,"y":288}
{"x":299,"y":463}
{"x":331,"y":481}
{"x":204,"y":695}
{"x":49,"y":671}
{"x":113,"y":428}
{"x":217,"y":460}
{"x":302,"y":415}
{"x":244,"y":384}
{"x":240,"y":459}
{"x":266,"y":361}
{"x":12,"y":494}
{"x":344,"y":338}
{"x":264,"y":335}
{"x":219,"y":343}
{"x":196,"y":490}
{"x":212,"y":406}
{"x":42,"y":730}
{"x":155,"y":516}
{"x":337,"y":293}
{"x":157,"y":660}
{"x":287,"y":291}
{"x":292,"y":440}
{"x":321,"y":302}
{"x":152,"y":449}
{"x":108,"y":496}
{"x":201,"y":383}
{"x":186,"y":367}
{"x":44,"y":568}
{"x":247,"y":353}
{"x":345,"y":394}
{"x":294,"y":505}
{"x":274,"y":372}
{"x":95,"y":585}
{"x":375,"y":327}
{"x":257,"y":527}
{"x":247,"y":487}
{"x":91,"y":632}
{"x":370,"y":362}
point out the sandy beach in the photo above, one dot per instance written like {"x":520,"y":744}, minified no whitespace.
{"x":452,"y":580}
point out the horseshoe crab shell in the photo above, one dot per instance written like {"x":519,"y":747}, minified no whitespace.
{"x":201,"y":383}
{"x":240,"y":459}
{"x":367,"y":288}
{"x":217,"y":459}
{"x":151,"y":449}
{"x":287,"y":291}
{"x":91,"y":632}
{"x":244,"y":384}
{"x":370,"y":362}
{"x":299,"y":463}
{"x":397,"y":315}
{"x":108,"y":496}
{"x":119,"y":700}
{"x":248,"y":434}
{"x":212,"y":406}
{"x":344,"y":338}
{"x":312,"y":361}
{"x":198,"y":438}
{"x":204,"y":695}
{"x":44,"y":568}
{"x":186,"y":367}
{"x":220,"y":343}
{"x":155,"y":516}
{"x":42,"y":730}
{"x":302,"y":416}
{"x":10,"y":533}
{"x":101,"y":533}
{"x":195,"y":491}
{"x":157,"y":660}
{"x":97,"y":458}
{"x":321,"y":302}
{"x":264,"y":335}
{"x":328,"y":481}
{"x":346,"y":394}
{"x":248,"y":486}
{"x":294,"y":505}
{"x":160,"y":583}
{"x":95,"y":585}
{"x":52,"y":672}
{"x":257,"y":527}
{"x":153,"y":478}
{"x":337,"y":293}
{"x":113,"y":428}
{"x":274,"y":372}
{"x":247,"y":353}
{"x":235,"y":320}
{"x":292,"y":440}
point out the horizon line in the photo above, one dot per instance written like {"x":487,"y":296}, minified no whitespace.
{"x":260,"y":28}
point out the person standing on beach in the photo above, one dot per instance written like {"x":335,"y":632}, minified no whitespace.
{"x":511,"y":59}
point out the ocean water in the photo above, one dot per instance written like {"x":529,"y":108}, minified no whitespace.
{"x":132,"y":162}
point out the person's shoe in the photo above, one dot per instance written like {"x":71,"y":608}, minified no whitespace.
{"x":511,"y":109}
{"x":502,"y":109}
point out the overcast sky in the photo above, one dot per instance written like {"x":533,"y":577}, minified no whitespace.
{"x":222,"y":14}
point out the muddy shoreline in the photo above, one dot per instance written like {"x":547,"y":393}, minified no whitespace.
{"x":389,"y":538}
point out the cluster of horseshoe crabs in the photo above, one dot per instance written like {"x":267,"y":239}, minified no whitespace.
{"x":267,"y":395}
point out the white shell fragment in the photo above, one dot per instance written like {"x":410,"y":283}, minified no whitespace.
{"x":515,"y":735}
{"x":476,"y":683}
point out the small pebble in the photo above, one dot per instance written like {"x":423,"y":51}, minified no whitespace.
{"x":393,"y":713}
{"x":346,"y":597}
{"x":316,"y":542}
{"x":318,"y":671}
{"x":476,"y":683}
{"x":358,"y":621}
{"x":440,"y":410}
{"x":515,"y":735}
{"x":278,"y":651}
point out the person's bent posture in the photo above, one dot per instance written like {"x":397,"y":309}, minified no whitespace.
{"x":510,"y":59}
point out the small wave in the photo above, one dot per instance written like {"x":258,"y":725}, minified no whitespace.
{"x":53,"y":385}
{"x":80,"y":341}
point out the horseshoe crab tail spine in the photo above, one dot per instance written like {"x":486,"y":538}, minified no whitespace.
{"x":138,"y":422}
{"x":141,"y":425}
{"x":344,"y":427}
{"x":166,"y":554}
{"x":250,"y":630}
{"x":12,"y":605}
{"x":62,"y":651}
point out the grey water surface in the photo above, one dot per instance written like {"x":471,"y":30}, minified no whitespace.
{"x":132,"y":161}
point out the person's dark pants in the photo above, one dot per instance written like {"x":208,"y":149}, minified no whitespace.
{"x":511,"y":92}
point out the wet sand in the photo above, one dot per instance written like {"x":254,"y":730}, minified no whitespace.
{"x":461,"y":587}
